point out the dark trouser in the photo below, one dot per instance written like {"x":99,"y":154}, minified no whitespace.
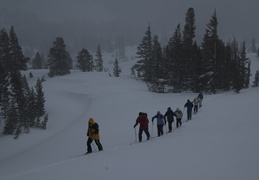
{"x":179,"y":122}
{"x":170,"y":122}
{"x":160,"y":130}
{"x":195,"y":109}
{"x":189,"y":114}
{"x":140,"y":134}
{"x":97,"y":142}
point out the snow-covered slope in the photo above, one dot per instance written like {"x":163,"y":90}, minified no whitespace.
{"x":220,"y":142}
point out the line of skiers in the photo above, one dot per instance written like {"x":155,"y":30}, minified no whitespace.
{"x":142,"y":120}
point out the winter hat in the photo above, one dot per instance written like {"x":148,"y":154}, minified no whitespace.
{"x":168,"y":108}
{"x":91,"y":121}
{"x":158,"y":112}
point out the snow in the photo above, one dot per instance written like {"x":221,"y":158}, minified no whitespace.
{"x":220,"y":142}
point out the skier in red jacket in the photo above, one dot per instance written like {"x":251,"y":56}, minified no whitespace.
{"x":142,"y":120}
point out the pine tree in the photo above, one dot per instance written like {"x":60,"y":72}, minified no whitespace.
{"x":5,"y":53}
{"x":45,"y":121}
{"x":59,"y":61}
{"x":209,"y":56}
{"x":144,"y":53}
{"x":18,"y":97}
{"x":99,"y":59}
{"x":244,"y":66}
{"x":175,"y":66}
{"x":85,"y":61}
{"x":253,"y":46}
{"x":188,"y":49}
{"x":37,"y":62}
{"x":157,"y":81}
{"x":116,"y":68}
{"x":4,"y":93}
{"x":11,"y":122}
{"x":17,"y":58}
{"x":40,"y":99}
{"x":256,"y":79}
{"x":237,"y":81}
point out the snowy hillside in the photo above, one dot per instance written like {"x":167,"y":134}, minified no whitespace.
{"x":220,"y":142}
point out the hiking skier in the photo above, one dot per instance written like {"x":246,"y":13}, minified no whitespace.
{"x":200,"y":96}
{"x":189,"y":107}
{"x":179,"y":115}
{"x":142,"y":120}
{"x":160,"y":123}
{"x":196,"y":102}
{"x":93,"y":135}
{"x":170,"y":118}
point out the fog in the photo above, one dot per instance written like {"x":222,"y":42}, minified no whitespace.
{"x":114,"y":23}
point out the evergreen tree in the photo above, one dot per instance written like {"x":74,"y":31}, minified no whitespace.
{"x":157,"y":79}
{"x":244,"y":66}
{"x":37,"y":62}
{"x":209,"y":56}
{"x":85,"y":61}
{"x":237,"y":81}
{"x":17,"y":58}
{"x":256,"y":79}
{"x":175,"y":66}
{"x":11,"y":122}
{"x":59,"y":61}
{"x":144,"y":53}
{"x":40,"y":99}
{"x":188,"y":49}
{"x":32,"y":108}
{"x":99,"y":59}
{"x":4,"y":93}
{"x":116,"y":68}
{"x":5,"y":53}
{"x":18,"y":97}
{"x":45,"y":121}
{"x":253,"y":46}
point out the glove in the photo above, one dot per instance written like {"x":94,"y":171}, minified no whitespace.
{"x":134,"y":126}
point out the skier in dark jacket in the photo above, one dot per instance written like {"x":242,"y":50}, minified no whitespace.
{"x":142,"y":120}
{"x":93,"y":135}
{"x":200,"y":96}
{"x":170,"y":118}
{"x":160,"y":123}
{"x":189,"y":107}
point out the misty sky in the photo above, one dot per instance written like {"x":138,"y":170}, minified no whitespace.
{"x":237,"y":18}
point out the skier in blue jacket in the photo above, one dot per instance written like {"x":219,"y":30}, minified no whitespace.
{"x":161,"y":121}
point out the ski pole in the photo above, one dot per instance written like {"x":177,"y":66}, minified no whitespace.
{"x":135,"y":135}
{"x":152,"y":131}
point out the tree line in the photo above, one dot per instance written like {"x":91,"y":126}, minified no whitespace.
{"x":21,"y":106}
{"x":183,"y":65}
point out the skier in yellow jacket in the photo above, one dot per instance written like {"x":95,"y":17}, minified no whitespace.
{"x":93,"y":135}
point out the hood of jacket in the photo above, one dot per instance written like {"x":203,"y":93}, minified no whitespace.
{"x":91,"y":121}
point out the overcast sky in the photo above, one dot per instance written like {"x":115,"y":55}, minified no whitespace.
{"x":237,"y":18}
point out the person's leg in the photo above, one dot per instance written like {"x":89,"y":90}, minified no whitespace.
{"x":89,"y":147}
{"x":99,"y":145}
